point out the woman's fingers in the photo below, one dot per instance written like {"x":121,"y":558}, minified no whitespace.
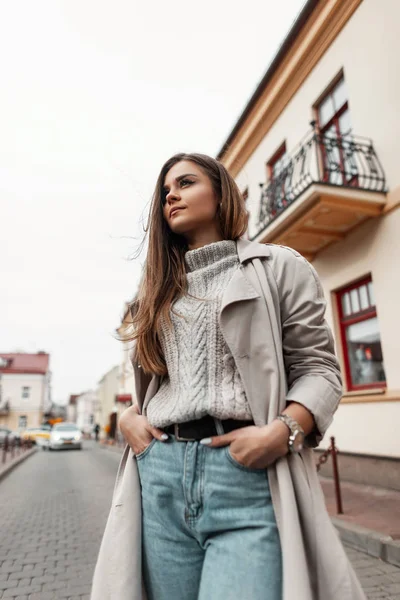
{"x":158,"y":434}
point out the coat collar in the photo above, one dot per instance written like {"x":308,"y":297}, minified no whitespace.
{"x":240,"y":288}
{"x":248,"y":250}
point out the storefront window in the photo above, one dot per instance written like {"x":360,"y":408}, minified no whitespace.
{"x":361,"y":337}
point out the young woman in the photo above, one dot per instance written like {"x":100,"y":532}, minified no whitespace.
{"x":236,"y":380}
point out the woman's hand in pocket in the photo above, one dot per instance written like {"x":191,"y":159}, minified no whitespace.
{"x":137,"y":431}
{"x":254,"y":447}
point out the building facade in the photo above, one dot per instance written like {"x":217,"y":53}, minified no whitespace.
{"x":108,"y":389}
{"x":24,"y":389}
{"x":71,"y":408}
{"x":116,"y":390}
{"x":316,"y":154}
{"x":87,"y":406}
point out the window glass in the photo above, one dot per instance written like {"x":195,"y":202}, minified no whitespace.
{"x":371,"y":294}
{"x":326,"y":111}
{"x":346,"y":305}
{"x":364,"y":302}
{"x":22,"y":421}
{"x":339,"y":94}
{"x":277,"y":166}
{"x":365,"y":353}
{"x":345,"y":123}
{"x":25,"y":391}
{"x":355,"y":303}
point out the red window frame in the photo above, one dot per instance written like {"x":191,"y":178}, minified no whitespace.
{"x":346,"y":321}
{"x":334,"y":120}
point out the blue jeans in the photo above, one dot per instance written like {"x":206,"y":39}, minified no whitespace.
{"x":209,"y":528}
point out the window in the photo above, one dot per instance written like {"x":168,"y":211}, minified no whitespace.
{"x":334,"y":123}
{"x":26,"y":390}
{"x":22,"y":421}
{"x":360,"y":336}
{"x":277,"y":176}
{"x":333,"y":110}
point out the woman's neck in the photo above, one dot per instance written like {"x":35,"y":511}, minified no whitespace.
{"x":203,"y":238}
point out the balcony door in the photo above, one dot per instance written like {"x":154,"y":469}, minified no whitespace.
{"x":337,"y":147}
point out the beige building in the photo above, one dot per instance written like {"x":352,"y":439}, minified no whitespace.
{"x":24,"y":389}
{"x":87,"y":409}
{"x":316,"y":152}
{"x":71,"y":408}
{"x":107,"y":390}
{"x":115,"y":391}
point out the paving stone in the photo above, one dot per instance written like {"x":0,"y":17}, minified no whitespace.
{"x":20,"y":591}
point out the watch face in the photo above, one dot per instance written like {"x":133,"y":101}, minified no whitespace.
{"x":297,"y":441}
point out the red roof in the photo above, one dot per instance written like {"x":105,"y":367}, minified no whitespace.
{"x":24,"y":363}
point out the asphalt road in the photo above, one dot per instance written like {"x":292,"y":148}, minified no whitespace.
{"x":53,"y":509}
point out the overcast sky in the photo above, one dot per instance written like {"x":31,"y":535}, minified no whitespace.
{"x":95,"y":96}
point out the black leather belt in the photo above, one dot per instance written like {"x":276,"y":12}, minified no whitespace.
{"x":198,"y":429}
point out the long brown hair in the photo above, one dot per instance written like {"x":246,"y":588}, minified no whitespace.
{"x":164,"y":276}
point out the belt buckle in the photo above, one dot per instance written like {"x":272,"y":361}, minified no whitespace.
{"x":178,"y":437}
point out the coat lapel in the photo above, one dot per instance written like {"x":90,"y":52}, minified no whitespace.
{"x":242,"y":321}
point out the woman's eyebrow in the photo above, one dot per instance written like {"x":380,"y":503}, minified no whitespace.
{"x":186,"y":175}
{"x":180,"y":177}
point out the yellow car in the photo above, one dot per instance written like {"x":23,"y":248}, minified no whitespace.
{"x":37,"y":435}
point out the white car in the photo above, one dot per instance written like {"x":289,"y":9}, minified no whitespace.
{"x":65,"y":435}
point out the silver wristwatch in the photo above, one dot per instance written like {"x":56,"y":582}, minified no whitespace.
{"x":296,"y":437}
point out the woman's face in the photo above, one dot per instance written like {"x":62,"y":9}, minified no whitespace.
{"x":189,"y":201}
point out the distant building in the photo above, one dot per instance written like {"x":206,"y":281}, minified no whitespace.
{"x":107,"y":391}
{"x":24,"y":389}
{"x":87,"y":405}
{"x":116,"y":387}
{"x":71,"y":408}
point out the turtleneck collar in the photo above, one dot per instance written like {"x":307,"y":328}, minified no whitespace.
{"x":209,"y":254}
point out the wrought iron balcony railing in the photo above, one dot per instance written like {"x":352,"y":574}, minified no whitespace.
{"x":343,"y":161}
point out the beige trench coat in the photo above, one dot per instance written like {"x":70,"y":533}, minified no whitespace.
{"x":272,"y":318}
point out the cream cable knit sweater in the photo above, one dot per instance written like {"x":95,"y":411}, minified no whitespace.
{"x":202,"y":375}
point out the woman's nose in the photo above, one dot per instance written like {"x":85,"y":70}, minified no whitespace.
{"x":172,"y":196}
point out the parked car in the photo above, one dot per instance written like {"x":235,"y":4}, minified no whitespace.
{"x":37,"y":435}
{"x":7,"y":433}
{"x":65,"y":435}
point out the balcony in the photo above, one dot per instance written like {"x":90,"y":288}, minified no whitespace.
{"x":5,"y":409}
{"x":326,"y":188}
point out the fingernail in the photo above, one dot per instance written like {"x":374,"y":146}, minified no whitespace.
{"x":206,"y":441}
{"x":164,"y":436}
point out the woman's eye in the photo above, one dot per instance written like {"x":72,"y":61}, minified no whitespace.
{"x":185,"y":182}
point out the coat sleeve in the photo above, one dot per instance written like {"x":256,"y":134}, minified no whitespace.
{"x":312,"y":369}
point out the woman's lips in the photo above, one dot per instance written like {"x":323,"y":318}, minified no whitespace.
{"x":174,"y":211}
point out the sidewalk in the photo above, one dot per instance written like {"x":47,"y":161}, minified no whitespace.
{"x":12,"y":461}
{"x":371,"y":519}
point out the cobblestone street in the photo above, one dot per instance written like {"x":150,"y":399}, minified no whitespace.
{"x":53,"y":511}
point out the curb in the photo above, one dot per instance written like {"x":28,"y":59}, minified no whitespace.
{"x":368,"y":541}
{"x":8,"y":468}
